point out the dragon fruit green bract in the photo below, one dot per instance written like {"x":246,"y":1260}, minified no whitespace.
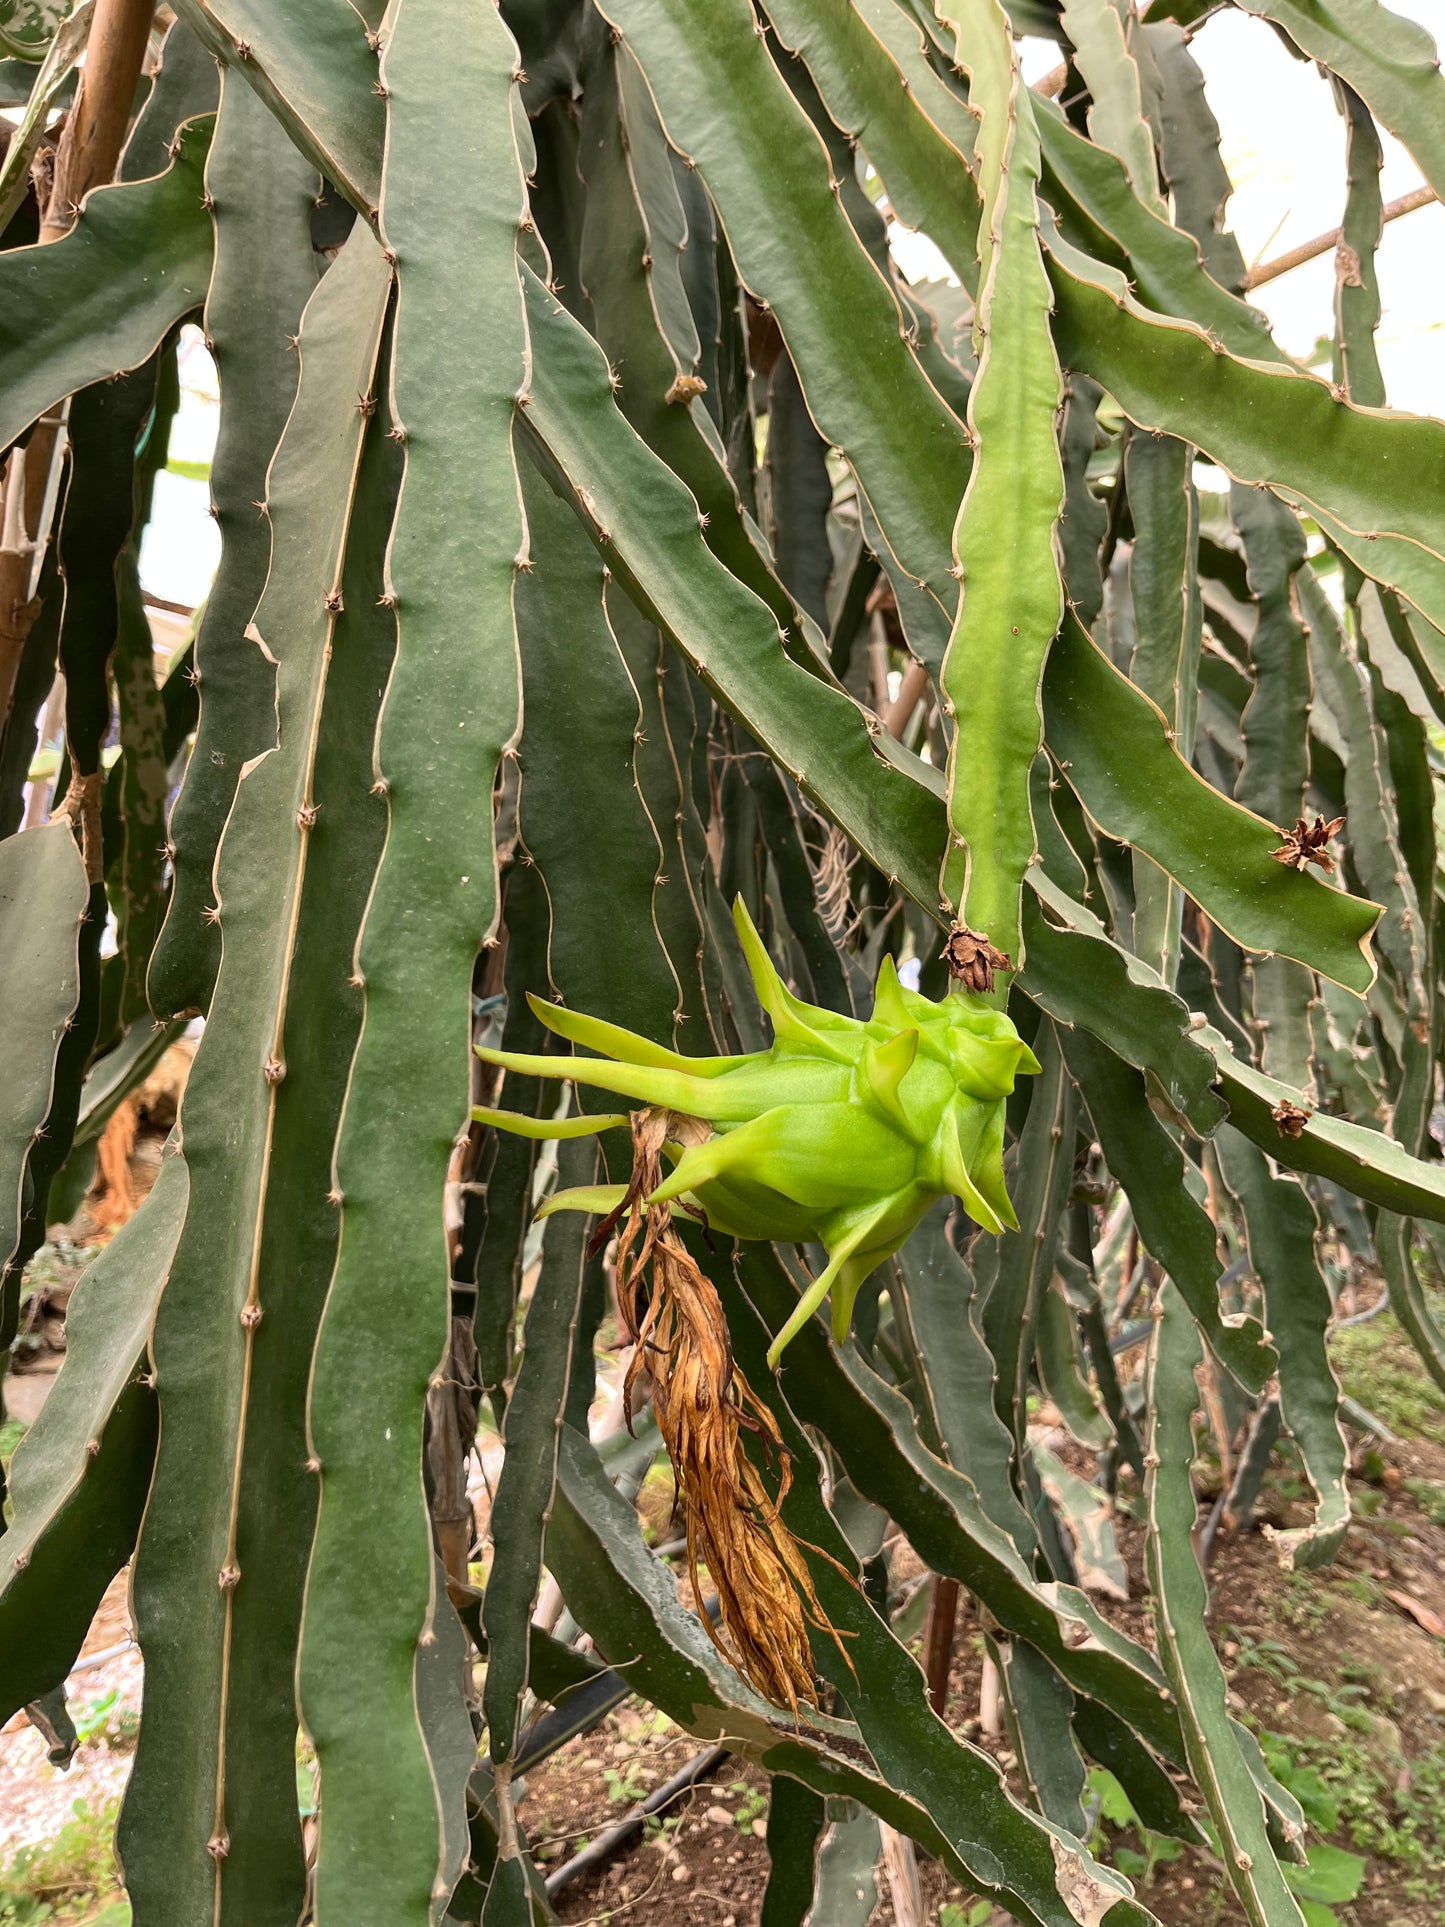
{"x":843,"y":1133}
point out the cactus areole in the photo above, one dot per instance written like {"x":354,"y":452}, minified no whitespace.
{"x":842,"y":1133}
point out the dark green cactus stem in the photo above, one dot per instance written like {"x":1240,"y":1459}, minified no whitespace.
{"x":573,"y":553}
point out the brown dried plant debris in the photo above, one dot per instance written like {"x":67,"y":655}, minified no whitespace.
{"x":972,"y":959}
{"x":1305,"y":843}
{"x":704,"y":1405}
{"x":831,"y":882}
{"x":115,"y":1199}
{"x":686,"y":388}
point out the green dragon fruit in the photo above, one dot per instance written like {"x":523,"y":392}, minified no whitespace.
{"x":842,"y":1134}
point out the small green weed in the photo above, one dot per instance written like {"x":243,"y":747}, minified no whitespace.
{"x":1159,"y":1850}
{"x":1301,"y":1602}
{"x":651,"y":1725}
{"x":107,"y":1721}
{"x":1407,"y":1826}
{"x":1365,"y":1672}
{"x":1332,"y":1877}
{"x":624,"y":1788}
{"x":12,"y":1430}
{"x":1361,"y":1588}
{"x":752,"y":1805}
{"x":1346,"y":1788}
{"x":1261,"y":1655}
{"x":69,"y":1880}
{"x":657,"y":1505}
{"x":307,"y":1781}
{"x":1106,"y":1798}
{"x":1377,"y":1365}
{"x":1430,"y":1498}
{"x":965,"y":1913}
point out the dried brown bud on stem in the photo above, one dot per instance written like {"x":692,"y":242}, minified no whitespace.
{"x":686,"y":388}
{"x":704,"y":1405}
{"x":972,"y":959}
{"x":1306,"y":844}
{"x":1290,"y":1120}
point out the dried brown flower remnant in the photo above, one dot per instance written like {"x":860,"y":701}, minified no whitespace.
{"x":1306,"y":844}
{"x":704,"y":1405}
{"x":973,"y":959}
{"x":1290,"y":1119}
{"x":686,"y":388}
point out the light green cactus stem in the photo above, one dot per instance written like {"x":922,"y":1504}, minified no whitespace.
{"x":842,"y":1134}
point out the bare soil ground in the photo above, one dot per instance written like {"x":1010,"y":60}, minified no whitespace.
{"x":37,"y":1799}
{"x":1329,"y":1660}
{"x":1326,"y":1659}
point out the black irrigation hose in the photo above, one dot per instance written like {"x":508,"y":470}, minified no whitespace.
{"x":1364,"y":1317}
{"x":1132,"y":1335}
{"x":607,"y":1845}
{"x":584,"y":1707}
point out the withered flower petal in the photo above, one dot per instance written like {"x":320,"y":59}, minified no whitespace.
{"x":1305,"y":843}
{"x":674,"y":1318}
{"x":1290,"y":1119}
{"x":972,"y":959}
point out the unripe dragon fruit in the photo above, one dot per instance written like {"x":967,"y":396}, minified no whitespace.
{"x":842,"y":1134}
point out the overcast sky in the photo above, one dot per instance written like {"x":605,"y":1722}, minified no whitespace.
{"x":1283,"y":142}
{"x":1284,"y":145}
